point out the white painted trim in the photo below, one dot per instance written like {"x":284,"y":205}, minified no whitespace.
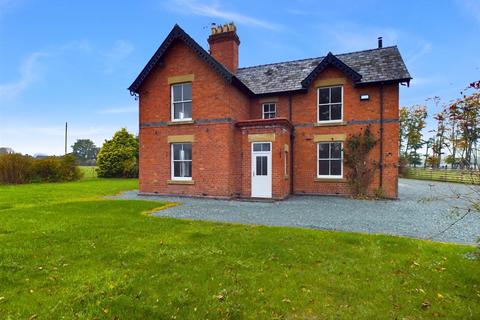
{"x":263,"y":109}
{"x":172,"y":161}
{"x":254,"y":154}
{"x":323,"y":176}
{"x":323,"y":104}
{"x":172,"y":112}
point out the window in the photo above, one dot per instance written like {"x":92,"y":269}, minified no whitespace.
{"x":262,"y":146}
{"x":182,"y":101}
{"x":181,"y":161}
{"x":261,"y":165}
{"x":269,"y":110}
{"x":330,"y":104}
{"x":330,"y":160}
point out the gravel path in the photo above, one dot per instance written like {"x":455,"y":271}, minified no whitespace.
{"x":410,"y":216}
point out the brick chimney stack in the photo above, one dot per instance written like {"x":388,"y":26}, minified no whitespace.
{"x":224,"y":43}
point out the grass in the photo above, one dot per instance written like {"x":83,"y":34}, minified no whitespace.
{"x":89,"y":172}
{"x":67,"y":253}
{"x":457,"y":176}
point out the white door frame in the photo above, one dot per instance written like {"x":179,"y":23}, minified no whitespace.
{"x":261,"y":185}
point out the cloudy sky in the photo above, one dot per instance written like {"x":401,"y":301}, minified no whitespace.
{"x":73,"y":60}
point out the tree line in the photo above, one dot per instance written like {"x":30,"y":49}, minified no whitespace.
{"x":454,"y":140}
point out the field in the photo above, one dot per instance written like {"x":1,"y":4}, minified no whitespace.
{"x":66,"y":252}
{"x":445,"y":175}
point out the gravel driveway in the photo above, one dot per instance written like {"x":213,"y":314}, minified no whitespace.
{"x":409,"y":216}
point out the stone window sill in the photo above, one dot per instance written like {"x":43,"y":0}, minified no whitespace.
{"x":187,"y":182}
{"x":174,"y":123}
{"x":330,"y":124}
{"x":339,"y":180}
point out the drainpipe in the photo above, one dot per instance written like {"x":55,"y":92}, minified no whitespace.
{"x":292,"y":141}
{"x":382,"y":107}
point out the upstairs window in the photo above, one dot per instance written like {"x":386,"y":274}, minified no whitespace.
{"x":330,"y":160}
{"x":330,"y":104}
{"x":181,"y":161}
{"x":269,"y":110}
{"x":182,"y":102}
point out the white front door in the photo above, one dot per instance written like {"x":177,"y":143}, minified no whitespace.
{"x":262,"y":169}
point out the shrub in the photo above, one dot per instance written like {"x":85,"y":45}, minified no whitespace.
{"x":55,"y":169}
{"x":118,"y":157}
{"x":15,"y":168}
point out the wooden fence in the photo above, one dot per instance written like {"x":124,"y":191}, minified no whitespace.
{"x":446,"y":175}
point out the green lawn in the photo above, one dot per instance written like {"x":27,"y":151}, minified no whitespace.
{"x":66,"y":253}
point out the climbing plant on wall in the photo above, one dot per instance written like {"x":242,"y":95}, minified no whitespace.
{"x":356,"y":155}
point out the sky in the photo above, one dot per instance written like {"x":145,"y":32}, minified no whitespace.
{"x":71,"y":61}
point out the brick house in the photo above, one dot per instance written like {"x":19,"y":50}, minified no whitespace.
{"x":209,"y":128}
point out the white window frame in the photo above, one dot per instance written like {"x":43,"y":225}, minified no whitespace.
{"x":172,"y":110}
{"x":269,"y":112}
{"x":330,"y":158}
{"x":172,"y":168}
{"x":324,"y":104}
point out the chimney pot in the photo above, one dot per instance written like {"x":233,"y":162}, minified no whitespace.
{"x":380,"y":42}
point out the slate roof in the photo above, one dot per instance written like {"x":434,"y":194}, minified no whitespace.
{"x":375,"y":65}
{"x":363,"y":67}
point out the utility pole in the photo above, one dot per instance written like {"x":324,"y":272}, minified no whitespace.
{"x":66,"y":130}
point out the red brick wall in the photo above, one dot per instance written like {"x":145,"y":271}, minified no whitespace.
{"x":215,"y":150}
{"x":305,"y":112}
{"x":281,"y":102}
{"x":221,"y":164}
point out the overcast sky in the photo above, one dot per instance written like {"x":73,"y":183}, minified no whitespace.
{"x":73,"y":60}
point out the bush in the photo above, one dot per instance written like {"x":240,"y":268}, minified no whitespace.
{"x":15,"y":168}
{"x":55,"y":169}
{"x":118,"y":157}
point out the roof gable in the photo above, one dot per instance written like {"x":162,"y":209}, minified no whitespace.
{"x":330,"y":60}
{"x":178,"y":33}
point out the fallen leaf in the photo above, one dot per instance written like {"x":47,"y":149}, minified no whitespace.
{"x":439,"y":296}
{"x":221,"y":297}
{"x":286,"y":300}
{"x":425,"y":305}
